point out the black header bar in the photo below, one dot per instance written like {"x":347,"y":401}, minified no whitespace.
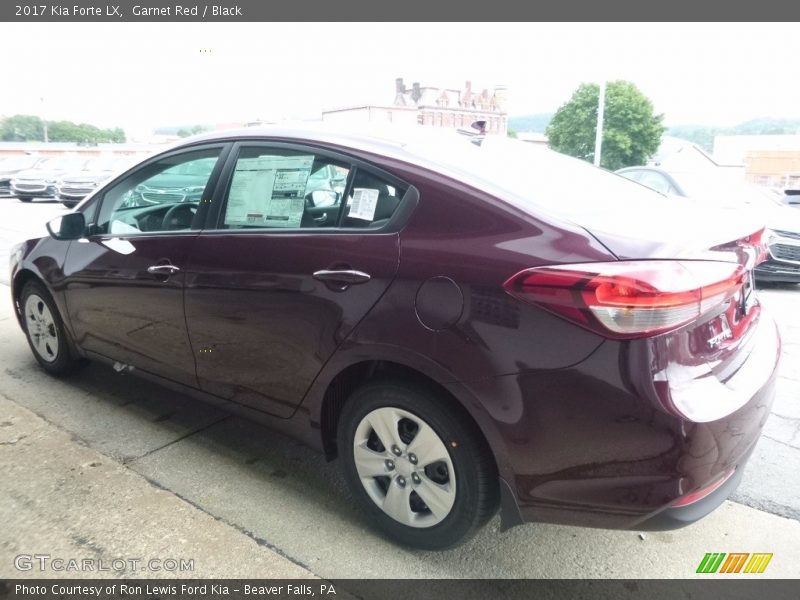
{"x":400,"y":10}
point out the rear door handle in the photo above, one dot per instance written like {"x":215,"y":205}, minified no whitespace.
{"x":347,"y":276}
{"x":163,"y":269}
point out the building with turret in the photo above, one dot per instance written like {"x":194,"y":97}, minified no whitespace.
{"x":434,"y":107}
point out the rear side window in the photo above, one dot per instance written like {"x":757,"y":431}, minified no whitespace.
{"x":284,"y":189}
{"x":372,"y":200}
{"x":632,"y":175}
{"x":655,"y":181}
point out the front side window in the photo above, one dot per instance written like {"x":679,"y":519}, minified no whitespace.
{"x":284,"y":189}
{"x":161,"y":196}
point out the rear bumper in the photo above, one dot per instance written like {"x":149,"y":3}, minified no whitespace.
{"x":595,"y":451}
{"x":681,"y":516}
{"x":671,"y":517}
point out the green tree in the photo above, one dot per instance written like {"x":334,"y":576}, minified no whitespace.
{"x":194,"y":130}
{"x":67,"y":131}
{"x":631,"y":131}
{"x":27,"y":128}
{"x":21,"y":128}
{"x":116,"y":135}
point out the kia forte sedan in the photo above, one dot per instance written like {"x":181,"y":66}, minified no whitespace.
{"x":468,"y":327}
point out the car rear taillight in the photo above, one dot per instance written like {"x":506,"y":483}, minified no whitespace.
{"x":629,"y":299}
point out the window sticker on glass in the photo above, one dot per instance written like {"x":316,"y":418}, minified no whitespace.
{"x":268,"y":191}
{"x":364,"y":202}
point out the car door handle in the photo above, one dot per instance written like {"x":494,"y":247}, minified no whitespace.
{"x":347,"y":276}
{"x":163,"y":269}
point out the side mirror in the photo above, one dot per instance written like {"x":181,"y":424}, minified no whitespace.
{"x":323,"y":198}
{"x":67,"y":227}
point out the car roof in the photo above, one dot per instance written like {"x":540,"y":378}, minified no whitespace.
{"x":371,"y":138}
{"x":388,"y":141}
{"x":642,"y":168}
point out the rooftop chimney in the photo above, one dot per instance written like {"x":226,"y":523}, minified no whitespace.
{"x":416,"y":94}
{"x":500,"y":97}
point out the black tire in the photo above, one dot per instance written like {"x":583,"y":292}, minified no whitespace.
{"x":69,"y":204}
{"x":24,"y":198}
{"x":473,"y":468}
{"x":55,"y":358}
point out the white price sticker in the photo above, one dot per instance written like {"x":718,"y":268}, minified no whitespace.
{"x":365,"y":200}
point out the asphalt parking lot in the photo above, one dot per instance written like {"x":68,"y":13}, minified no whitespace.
{"x":106,"y":465}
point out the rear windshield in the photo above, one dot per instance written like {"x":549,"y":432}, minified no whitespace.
{"x":537,"y":176}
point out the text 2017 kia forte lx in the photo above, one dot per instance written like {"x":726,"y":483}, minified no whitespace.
{"x":465,"y":326}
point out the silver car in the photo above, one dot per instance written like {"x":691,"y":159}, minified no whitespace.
{"x":40,"y":181}
{"x":73,"y":187}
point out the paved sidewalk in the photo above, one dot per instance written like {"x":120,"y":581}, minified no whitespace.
{"x":65,"y":500}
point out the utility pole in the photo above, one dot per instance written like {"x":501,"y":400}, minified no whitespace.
{"x":598,"y":140}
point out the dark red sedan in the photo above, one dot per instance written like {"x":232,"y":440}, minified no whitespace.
{"x":467,"y":324}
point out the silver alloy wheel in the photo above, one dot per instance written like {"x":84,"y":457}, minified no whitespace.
{"x":41,"y":328}
{"x":404,"y":467}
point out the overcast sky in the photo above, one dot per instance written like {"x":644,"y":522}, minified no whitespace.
{"x":143,"y":75}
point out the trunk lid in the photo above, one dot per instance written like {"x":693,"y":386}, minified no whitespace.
{"x":673,"y":227}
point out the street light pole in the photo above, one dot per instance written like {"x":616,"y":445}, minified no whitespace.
{"x":598,"y":140}
{"x":44,"y":122}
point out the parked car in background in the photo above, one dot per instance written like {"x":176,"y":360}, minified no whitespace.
{"x":74,"y":186}
{"x":13,"y":165}
{"x":783,"y":224}
{"x":790,"y":197}
{"x":40,"y":181}
{"x":467,"y":327}
{"x":181,"y":183}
